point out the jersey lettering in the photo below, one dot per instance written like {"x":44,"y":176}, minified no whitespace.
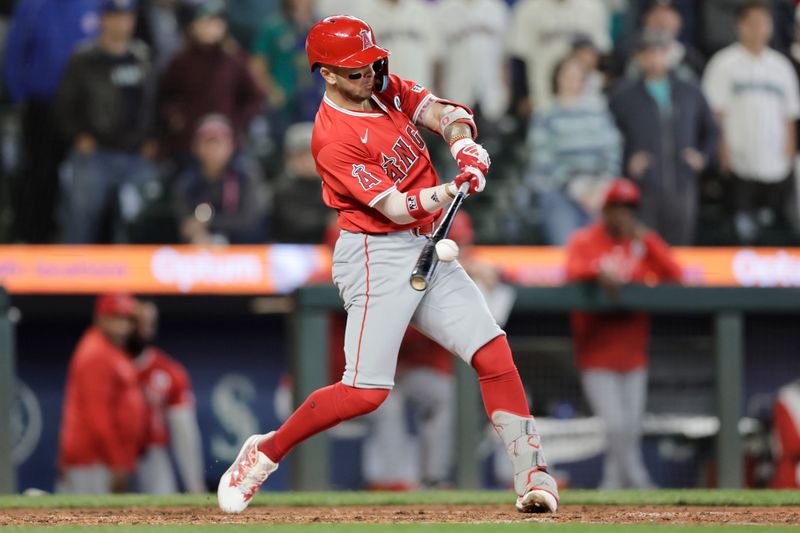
{"x":365,"y":178}
{"x":405,"y":153}
{"x":415,"y":136}
{"x":389,"y":164}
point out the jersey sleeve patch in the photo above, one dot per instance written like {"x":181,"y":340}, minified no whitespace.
{"x":365,"y":177}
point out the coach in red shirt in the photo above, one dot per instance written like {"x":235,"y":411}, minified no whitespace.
{"x":611,"y":349}
{"x":104,"y":418}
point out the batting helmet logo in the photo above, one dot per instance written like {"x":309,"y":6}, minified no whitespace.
{"x":366,"y":39}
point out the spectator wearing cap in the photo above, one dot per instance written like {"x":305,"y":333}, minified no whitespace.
{"x":106,"y":108}
{"x":279,"y":65}
{"x":41,"y":39}
{"x":104,"y":418}
{"x":220,"y":196}
{"x":209,"y":75}
{"x":670,"y":136}
{"x":663,"y":20}
{"x":585,"y":51}
{"x":299,"y":215}
{"x":611,"y":349}
{"x":754,"y":92}
{"x":575,"y":150}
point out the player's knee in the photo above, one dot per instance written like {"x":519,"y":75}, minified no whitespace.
{"x":494,"y":359}
{"x":362,"y":401}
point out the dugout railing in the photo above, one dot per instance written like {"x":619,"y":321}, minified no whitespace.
{"x":8,"y":483}
{"x":727,"y":305}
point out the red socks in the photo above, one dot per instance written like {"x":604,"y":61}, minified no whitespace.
{"x":323,"y":409}
{"x":501,"y":386}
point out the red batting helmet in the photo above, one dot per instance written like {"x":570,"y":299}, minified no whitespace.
{"x":344,"y":41}
{"x":115,"y":304}
{"x":622,"y":191}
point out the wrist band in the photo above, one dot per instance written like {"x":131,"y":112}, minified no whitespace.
{"x":414,"y":205}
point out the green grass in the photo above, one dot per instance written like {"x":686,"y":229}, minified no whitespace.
{"x":328,"y":499}
{"x":406,"y":528}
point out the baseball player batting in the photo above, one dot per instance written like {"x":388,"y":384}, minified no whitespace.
{"x":377,"y":173}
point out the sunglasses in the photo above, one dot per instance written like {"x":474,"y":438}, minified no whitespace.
{"x":376,"y":67}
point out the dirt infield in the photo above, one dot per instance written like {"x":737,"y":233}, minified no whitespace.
{"x":590,"y":514}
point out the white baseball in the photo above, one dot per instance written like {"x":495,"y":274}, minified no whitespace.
{"x":446,"y":250}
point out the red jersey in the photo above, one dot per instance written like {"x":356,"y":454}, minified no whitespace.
{"x":365,"y":156}
{"x":104,"y":415}
{"x":166,"y":384}
{"x":615,"y":341}
{"x":786,"y":431}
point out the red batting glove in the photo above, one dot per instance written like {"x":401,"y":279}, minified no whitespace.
{"x":476,"y":182}
{"x":471,"y":157}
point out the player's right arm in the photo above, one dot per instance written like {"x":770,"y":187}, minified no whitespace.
{"x":367,"y":182}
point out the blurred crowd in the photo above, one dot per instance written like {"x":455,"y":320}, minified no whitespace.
{"x":163,"y":121}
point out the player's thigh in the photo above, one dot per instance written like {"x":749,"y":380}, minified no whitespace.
{"x":454,"y":313}
{"x":371,"y":273}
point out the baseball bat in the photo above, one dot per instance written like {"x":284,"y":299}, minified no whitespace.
{"x":427,"y":260}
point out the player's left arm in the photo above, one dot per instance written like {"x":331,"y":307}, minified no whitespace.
{"x":456,"y":125}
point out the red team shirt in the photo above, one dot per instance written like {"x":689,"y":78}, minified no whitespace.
{"x":364,"y":156}
{"x":166,"y":384}
{"x":615,"y":341}
{"x":104,"y":415}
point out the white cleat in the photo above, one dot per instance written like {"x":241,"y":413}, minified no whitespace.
{"x":241,"y":481}
{"x":541,"y":495}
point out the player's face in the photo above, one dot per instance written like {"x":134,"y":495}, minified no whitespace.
{"x":619,"y":220}
{"x":355,"y":84}
{"x":116,"y":328}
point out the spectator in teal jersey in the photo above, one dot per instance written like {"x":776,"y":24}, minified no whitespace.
{"x":279,"y":64}
{"x":575,"y":150}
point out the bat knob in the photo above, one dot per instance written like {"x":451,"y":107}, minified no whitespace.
{"x":418,"y":283}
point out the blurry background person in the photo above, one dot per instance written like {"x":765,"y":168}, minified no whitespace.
{"x":754,"y":91}
{"x":220,"y":196}
{"x":786,"y":437}
{"x":104,"y":420}
{"x":670,"y":136}
{"x":171,"y":416}
{"x":106,"y":108}
{"x":541,"y":34}
{"x":412,"y":31}
{"x":208,"y":75}
{"x":298,"y":213}
{"x":663,"y":20}
{"x":585,"y":51}
{"x":575,"y":150}
{"x":611,"y":349}
{"x":280,"y":67}
{"x":42,"y":37}
{"x":473,"y":41}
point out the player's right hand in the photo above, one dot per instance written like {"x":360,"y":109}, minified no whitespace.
{"x":476,"y":181}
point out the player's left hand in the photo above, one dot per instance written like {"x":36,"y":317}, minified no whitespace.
{"x":473,"y":158}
